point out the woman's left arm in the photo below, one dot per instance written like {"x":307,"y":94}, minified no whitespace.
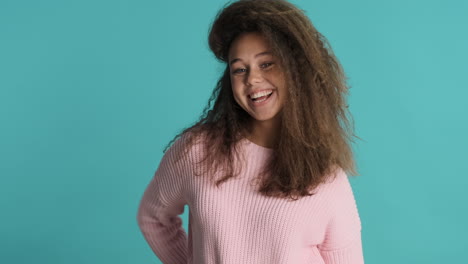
{"x":342,"y":244}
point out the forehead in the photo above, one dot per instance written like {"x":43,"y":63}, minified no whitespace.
{"x":247,"y":44}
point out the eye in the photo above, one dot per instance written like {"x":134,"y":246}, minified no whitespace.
{"x":266,"y":65}
{"x":241,"y":70}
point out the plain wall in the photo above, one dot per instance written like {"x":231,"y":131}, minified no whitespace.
{"x":91,"y":92}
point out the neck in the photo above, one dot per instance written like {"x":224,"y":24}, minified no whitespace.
{"x":264,"y":133}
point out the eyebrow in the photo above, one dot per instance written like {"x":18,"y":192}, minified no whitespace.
{"x":259,"y":54}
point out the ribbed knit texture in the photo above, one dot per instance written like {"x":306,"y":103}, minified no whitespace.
{"x":234,"y":224}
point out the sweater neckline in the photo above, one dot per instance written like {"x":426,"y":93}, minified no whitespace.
{"x":256,"y":146}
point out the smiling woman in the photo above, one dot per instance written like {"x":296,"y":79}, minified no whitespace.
{"x":258,"y":86}
{"x":265,"y":169}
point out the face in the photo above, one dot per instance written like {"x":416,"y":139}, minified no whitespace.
{"x":256,"y":77}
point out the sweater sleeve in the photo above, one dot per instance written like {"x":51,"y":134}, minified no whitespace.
{"x":342,"y":244}
{"x":160,"y":205}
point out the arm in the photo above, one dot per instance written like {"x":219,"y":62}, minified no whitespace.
{"x":342,"y":244}
{"x":160,"y":206}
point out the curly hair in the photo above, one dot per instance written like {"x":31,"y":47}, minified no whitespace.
{"x":315,"y":123}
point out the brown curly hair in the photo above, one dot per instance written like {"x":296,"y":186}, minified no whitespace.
{"x":315,"y":127}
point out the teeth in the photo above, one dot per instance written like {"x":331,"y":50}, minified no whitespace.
{"x":260,"y":94}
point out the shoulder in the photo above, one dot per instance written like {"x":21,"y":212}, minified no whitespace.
{"x":343,"y":202}
{"x":339,"y":192}
{"x":185,"y":148}
{"x":336,"y":180}
{"x":339,"y":181}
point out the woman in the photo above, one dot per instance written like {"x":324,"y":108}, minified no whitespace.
{"x":263,"y":170}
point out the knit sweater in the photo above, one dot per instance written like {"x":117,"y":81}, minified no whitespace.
{"x":233,"y":223}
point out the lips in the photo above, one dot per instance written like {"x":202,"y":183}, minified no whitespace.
{"x":257,"y":91}
{"x":262,"y":102}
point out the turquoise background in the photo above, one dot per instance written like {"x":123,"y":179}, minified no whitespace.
{"x":91,"y":92}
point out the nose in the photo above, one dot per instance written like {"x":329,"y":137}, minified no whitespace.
{"x":253,"y":77}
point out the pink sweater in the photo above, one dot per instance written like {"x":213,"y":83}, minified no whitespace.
{"x":236,"y":225}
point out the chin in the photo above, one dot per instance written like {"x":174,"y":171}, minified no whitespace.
{"x":264,"y":117}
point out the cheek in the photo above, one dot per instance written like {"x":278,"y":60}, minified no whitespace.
{"x":236,"y":82}
{"x":280,"y":83}
{"x":237,"y":94}
{"x":236,"y":88}
{"x":279,"y":80}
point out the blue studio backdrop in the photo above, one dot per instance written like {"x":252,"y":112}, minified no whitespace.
{"x":91,"y":92}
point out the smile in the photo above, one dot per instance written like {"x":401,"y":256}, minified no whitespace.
{"x":262,"y":100}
